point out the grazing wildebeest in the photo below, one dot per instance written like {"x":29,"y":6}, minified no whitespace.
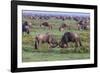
{"x":26,"y":27}
{"x":76,"y":18}
{"x":46,"y":24}
{"x":69,"y":37}
{"x":63,"y":27}
{"x":33,"y":17}
{"x":45,"y":38}
{"x":83,"y":25}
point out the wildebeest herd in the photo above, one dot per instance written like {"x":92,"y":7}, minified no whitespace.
{"x":81,"y":25}
{"x":51,"y":40}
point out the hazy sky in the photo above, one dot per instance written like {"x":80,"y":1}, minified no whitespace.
{"x":54,"y":13}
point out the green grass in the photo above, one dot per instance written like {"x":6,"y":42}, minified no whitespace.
{"x":29,"y":54}
{"x":52,"y":56}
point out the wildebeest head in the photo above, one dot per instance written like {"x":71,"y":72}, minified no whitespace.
{"x":62,"y":44}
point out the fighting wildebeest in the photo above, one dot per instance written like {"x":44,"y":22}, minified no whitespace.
{"x":26,"y":27}
{"x":63,"y":27}
{"x":46,"y":24}
{"x":69,"y":37}
{"x":45,"y":38}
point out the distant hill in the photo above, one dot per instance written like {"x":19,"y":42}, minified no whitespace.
{"x":47,"y":13}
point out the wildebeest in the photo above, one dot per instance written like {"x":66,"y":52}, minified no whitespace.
{"x":45,"y":38}
{"x":26,"y":27}
{"x":46,"y":24}
{"x":69,"y":37}
{"x":44,"y":17}
{"x":63,"y":27}
{"x":83,"y":25}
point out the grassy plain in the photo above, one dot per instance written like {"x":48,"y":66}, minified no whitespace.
{"x":29,"y":54}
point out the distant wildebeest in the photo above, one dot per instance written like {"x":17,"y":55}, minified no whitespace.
{"x":70,"y":37}
{"x":76,"y":18}
{"x":26,"y":27}
{"x":44,"y":17}
{"x":83,"y":25}
{"x":33,"y":17}
{"x":45,"y":38}
{"x":46,"y":24}
{"x":63,"y":27}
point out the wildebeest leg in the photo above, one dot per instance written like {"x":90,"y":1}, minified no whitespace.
{"x":76,"y":43}
{"x":49,"y":47}
{"x":78,"y":26}
{"x":36,"y":44}
{"x":66,"y":45}
{"x":39,"y":45}
{"x":80,"y":42}
{"x":28,"y":31}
